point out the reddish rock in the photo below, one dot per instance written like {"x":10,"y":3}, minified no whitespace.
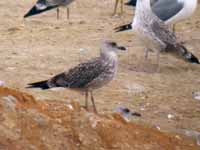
{"x":32,"y":124}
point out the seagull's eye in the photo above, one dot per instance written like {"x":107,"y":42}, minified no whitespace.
{"x":113,"y":44}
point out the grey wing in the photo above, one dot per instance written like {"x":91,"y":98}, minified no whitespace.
{"x":79,"y":76}
{"x":165,"y":9}
{"x":162,"y":33}
{"x":51,"y":2}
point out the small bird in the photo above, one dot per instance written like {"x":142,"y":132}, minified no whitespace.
{"x":45,"y":5}
{"x":156,"y":35}
{"x":169,"y":11}
{"x":87,"y":76}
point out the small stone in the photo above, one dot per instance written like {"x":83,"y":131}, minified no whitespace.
{"x":170,"y":116}
{"x":70,"y":107}
{"x":2,"y":83}
{"x":82,"y":49}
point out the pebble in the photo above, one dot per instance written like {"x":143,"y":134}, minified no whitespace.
{"x":2,"y":83}
{"x":170,"y":116}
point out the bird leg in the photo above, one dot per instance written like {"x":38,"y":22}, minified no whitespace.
{"x":158,"y":60}
{"x":92,"y":99}
{"x":174,"y":28}
{"x":115,"y":9}
{"x":122,"y":4}
{"x":86,"y":100}
{"x":67,"y":12}
{"x":116,"y":4}
{"x":58,"y":13}
{"x":146,"y":50}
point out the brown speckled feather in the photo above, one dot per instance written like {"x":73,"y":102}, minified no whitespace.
{"x":79,"y":76}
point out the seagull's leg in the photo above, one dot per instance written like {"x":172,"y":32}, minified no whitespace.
{"x":115,"y":9}
{"x":67,"y":12}
{"x":146,"y":52}
{"x":92,"y":99}
{"x":58,"y":13}
{"x":86,"y":100}
{"x":122,"y":4}
{"x":174,"y":28}
{"x":158,"y":60}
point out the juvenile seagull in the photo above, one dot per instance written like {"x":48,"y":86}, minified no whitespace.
{"x":45,"y":5}
{"x":155,"y":34}
{"x":170,"y":11}
{"x":87,"y":76}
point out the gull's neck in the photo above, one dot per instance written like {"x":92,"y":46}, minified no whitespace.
{"x":143,"y":12}
{"x":108,"y":55}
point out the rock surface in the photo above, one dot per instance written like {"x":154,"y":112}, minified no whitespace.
{"x":30,"y":124}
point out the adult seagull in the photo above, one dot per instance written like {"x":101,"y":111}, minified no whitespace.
{"x":169,"y":11}
{"x":45,"y":5}
{"x":155,"y":34}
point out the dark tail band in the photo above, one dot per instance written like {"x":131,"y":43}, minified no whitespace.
{"x":42,"y":84}
{"x":35,"y":11}
{"x":123,"y":27}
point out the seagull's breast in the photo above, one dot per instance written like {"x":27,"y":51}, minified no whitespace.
{"x":145,"y":35}
{"x":110,"y":70}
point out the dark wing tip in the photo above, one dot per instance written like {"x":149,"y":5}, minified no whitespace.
{"x":42,"y":84}
{"x":194,"y":60}
{"x":31,"y":12}
{"x":123,"y":27}
{"x":34,"y":11}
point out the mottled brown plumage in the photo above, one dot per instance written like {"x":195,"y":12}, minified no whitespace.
{"x":87,"y":76}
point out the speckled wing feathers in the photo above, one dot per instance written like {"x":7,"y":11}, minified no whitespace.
{"x":162,"y":32}
{"x":79,"y":76}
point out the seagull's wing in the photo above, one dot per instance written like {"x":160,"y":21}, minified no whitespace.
{"x":79,"y":76}
{"x":45,"y":5}
{"x":162,"y":33}
{"x":166,"y":9}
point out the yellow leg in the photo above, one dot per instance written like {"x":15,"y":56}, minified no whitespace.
{"x":174,"y":28}
{"x":58,"y":13}
{"x":122,"y":6}
{"x":115,"y":9}
{"x":67,"y":12}
{"x":158,"y":60}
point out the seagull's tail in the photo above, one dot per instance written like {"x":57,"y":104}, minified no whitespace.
{"x":125,"y":27}
{"x":188,"y":56}
{"x":131,"y":3}
{"x":35,"y":10}
{"x":185,"y":54}
{"x":42,"y":84}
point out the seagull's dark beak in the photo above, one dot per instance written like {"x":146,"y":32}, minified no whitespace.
{"x":122,"y":48}
{"x":123,"y":27}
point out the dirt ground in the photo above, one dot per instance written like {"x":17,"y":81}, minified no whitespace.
{"x":37,"y":48}
{"x":30,"y":124}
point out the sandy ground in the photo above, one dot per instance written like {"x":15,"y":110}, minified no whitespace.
{"x":39,"y":47}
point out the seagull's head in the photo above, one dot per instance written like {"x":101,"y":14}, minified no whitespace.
{"x":112,"y":46}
